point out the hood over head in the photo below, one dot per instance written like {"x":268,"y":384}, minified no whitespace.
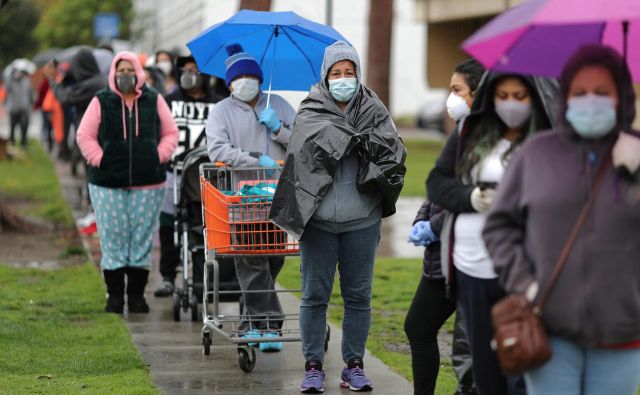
{"x":335,"y":53}
{"x":140,"y":79}
{"x":543,"y":95}
{"x":133,"y":59}
{"x":607,"y":57}
{"x":483,"y":127}
{"x":83,"y":65}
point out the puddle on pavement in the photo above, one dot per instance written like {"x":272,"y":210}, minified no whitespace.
{"x":395,"y":230}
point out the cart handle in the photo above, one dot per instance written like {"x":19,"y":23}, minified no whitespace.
{"x":223,"y":164}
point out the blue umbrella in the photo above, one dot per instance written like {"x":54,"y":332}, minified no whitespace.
{"x":288,"y":48}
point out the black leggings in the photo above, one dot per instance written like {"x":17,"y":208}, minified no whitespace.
{"x":19,"y":119}
{"x":429,"y":310}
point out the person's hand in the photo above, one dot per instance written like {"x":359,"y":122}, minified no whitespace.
{"x":626,"y":152}
{"x":421,"y":234}
{"x":266,"y":161}
{"x":269,"y":118}
{"x":481,"y":200}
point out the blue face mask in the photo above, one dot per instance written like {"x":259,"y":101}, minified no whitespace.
{"x":343,"y":89}
{"x":592,"y":116}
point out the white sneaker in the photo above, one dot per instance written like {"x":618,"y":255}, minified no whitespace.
{"x":87,"y":220}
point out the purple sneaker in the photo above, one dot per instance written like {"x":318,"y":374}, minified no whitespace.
{"x":353,"y":377}
{"x":313,"y":382}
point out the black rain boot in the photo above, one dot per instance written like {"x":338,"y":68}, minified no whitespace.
{"x":114,"y":279}
{"x":136,"y":282}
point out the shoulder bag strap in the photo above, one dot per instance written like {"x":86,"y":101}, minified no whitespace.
{"x":582,"y":217}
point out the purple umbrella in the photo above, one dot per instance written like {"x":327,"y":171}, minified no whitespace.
{"x":539,"y":36}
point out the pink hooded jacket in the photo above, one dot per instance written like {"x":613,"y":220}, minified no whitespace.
{"x":87,"y":134}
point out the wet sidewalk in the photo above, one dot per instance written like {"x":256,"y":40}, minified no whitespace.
{"x":173,"y":350}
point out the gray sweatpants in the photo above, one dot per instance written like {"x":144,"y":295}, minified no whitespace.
{"x":260,"y":310}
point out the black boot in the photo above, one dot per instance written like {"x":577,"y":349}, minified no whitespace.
{"x":115,"y":288}
{"x":136,"y":282}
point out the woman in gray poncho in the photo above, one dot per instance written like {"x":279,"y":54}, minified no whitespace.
{"x":343,"y":173}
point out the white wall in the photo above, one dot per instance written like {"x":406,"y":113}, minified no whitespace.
{"x":177,"y":21}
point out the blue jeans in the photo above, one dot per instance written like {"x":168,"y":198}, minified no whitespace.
{"x":354,"y":252}
{"x":575,"y":370}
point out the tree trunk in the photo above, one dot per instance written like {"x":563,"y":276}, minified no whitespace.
{"x":379,"y":54}
{"x":256,"y":5}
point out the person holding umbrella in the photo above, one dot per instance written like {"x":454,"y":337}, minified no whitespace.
{"x":592,"y":314}
{"x":343,"y":173}
{"x":242,"y":131}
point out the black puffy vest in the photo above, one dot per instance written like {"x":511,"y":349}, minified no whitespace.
{"x":132,"y":161}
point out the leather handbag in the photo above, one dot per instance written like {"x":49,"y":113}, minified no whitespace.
{"x":520,"y":339}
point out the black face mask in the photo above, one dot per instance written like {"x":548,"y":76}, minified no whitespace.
{"x":189,"y":80}
{"x":126,"y":83}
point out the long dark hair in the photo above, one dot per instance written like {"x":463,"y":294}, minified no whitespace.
{"x":489,"y":129}
{"x":472,"y":71}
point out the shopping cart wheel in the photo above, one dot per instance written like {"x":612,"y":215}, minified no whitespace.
{"x":194,"y":308}
{"x":327,"y":337}
{"x":246,"y":363}
{"x":177,"y":302}
{"x":206,"y":343}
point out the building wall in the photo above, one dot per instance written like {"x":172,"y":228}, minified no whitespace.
{"x":448,"y":10}
{"x":449,"y":23}
{"x":172,"y":23}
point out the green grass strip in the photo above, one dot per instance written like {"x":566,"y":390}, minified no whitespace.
{"x":56,"y":339}
{"x":421,"y":156}
{"x":35,"y":179}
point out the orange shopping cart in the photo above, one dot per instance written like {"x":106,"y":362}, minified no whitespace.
{"x":235,"y":209}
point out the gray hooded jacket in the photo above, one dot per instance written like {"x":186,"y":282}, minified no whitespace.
{"x":344,"y":170}
{"x":596,"y":301}
{"x":235,"y":135}
{"x":344,"y":208}
{"x":19,"y":94}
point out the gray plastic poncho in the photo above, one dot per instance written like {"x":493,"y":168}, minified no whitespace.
{"x":322,"y":135}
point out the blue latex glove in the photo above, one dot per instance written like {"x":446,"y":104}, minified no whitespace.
{"x":270,"y":119}
{"x":266,"y":161}
{"x":421,"y":234}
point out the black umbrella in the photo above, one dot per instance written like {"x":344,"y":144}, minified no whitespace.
{"x":66,"y":54}
{"x":43,"y":57}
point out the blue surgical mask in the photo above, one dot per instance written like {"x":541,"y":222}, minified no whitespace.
{"x":343,"y":89}
{"x":592,"y":116}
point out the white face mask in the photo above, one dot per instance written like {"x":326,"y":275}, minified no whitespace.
{"x":245,"y":89}
{"x":513,"y":113}
{"x":457,"y":107}
{"x":164,"y":66}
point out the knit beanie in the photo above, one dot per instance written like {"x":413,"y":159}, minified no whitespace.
{"x":240,"y":63}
